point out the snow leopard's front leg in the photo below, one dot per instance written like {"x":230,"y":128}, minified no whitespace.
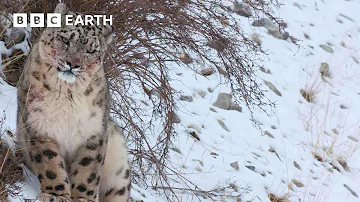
{"x":86,"y":169}
{"x":46,"y":162}
{"x":115,"y":182}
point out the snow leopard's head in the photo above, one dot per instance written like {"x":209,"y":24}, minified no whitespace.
{"x":74,"y":50}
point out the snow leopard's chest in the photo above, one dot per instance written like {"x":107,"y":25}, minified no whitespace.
{"x":68,"y":116}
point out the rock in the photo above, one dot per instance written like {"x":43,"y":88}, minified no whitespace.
{"x":275,"y":32}
{"x":306,"y":36}
{"x":210,"y":90}
{"x":221,"y":71}
{"x":251,"y":168}
{"x":223,"y":101}
{"x":297,"y":5}
{"x":195,"y":127}
{"x":235,"y":165}
{"x":234,"y":106}
{"x":355,"y":59}
{"x":194,"y":135}
{"x":271,"y":27}
{"x":326,"y":48}
{"x":297,"y":183}
{"x":186,"y":98}
{"x":256,"y":38}
{"x":185,"y":58}
{"x":268,"y":134}
{"x":175,"y":150}
{"x":222,"y":124}
{"x":242,"y":9}
{"x":202,"y":93}
{"x":264,"y":22}
{"x":351,"y":191}
{"x":17,"y":35}
{"x":297,"y":165}
{"x":273,"y":88}
{"x":207,"y":71}
{"x":324,"y":70}
{"x":175,"y":118}
{"x":213,"y":110}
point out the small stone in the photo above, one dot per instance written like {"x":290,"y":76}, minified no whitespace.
{"x":353,"y":138}
{"x":210,"y":90}
{"x":256,"y":38}
{"x":306,"y":36}
{"x":223,"y":101}
{"x":195,"y":127}
{"x":194,"y":135}
{"x":273,"y":88}
{"x":264,"y":22}
{"x":186,"y":98}
{"x":175,"y":118}
{"x":275,"y":32}
{"x":202,"y":93}
{"x":251,"y":168}
{"x":351,"y":191}
{"x":236,"y":107}
{"x":297,"y":165}
{"x":185,"y":58}
{"x":17,"y":35}
{"x":297,"y":183}
{"x":235,"y":165}
{"x":175,"y":150}
{"x":207,"y":71}
{"x":324,"y":70}
{"x":213,"y":110}
{"x":268,"y":134}
{"x":242,"y":10}
{"x":355,"y":59}
{"x":222,"y":124}
{"x":326,"y":48}
{"x":297,"y":5}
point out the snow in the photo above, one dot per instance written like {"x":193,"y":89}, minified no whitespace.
{"x":302,"y":133}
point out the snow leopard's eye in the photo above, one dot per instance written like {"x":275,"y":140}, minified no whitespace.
{"x":65,"y":41}
{"x":91,"y":52}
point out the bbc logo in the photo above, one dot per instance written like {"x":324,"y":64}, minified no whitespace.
{"x":37,"y":20}
{"x":54,"y":20}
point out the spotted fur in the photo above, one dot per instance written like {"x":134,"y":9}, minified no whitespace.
{"x":63,"y":125}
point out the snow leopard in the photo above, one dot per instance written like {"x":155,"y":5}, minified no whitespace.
{"x":64,"y":130}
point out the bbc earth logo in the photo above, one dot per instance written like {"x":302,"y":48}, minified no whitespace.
{"x":54,"y":20}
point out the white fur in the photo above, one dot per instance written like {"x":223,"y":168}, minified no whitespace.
{"x":116,"y":157}
{"x":68,"y":122}
{"x":67,"y":76}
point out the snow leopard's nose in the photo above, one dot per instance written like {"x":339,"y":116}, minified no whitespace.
{"x":72,"y":65}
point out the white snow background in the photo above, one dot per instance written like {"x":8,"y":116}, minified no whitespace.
{"x":299,"y":156}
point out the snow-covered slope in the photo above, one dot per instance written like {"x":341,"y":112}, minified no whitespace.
{"x":308,"y":151}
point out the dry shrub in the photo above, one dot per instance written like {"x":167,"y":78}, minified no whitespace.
{"x":10,"y":171}
{"x":150,"y":36}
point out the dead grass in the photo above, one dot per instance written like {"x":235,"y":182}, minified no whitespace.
{"x":10,"y":172}
{"x":308,"y":95}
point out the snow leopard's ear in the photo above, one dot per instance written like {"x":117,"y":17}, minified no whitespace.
{"x":61,"y":8}
{"x":108,"y":33}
